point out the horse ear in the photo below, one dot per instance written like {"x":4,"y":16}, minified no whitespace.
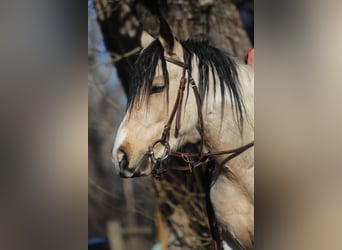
{"x":145,"y":39}
{"x":165,"y":36}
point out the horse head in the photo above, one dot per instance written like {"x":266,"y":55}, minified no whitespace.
{"x":153,"y":92}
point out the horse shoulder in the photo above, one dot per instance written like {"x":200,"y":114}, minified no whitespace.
{"x":234,"y":209}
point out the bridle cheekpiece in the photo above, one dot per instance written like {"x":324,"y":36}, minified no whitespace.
{"x":158,"y":163}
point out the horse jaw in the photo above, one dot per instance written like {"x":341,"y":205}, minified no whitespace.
{"x":192,"y":136}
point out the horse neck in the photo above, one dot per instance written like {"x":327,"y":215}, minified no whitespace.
{"x":222,"y":132}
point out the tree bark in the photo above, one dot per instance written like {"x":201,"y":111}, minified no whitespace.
{"x":121,"y":22}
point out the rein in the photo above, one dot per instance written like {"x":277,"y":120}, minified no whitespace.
{"x":158,"y":167}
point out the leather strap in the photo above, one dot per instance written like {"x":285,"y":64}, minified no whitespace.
{"x":177,"y":112}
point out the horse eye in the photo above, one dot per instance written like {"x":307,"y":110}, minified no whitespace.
{"x":156,"y":89}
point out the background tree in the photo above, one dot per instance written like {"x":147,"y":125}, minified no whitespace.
{"x":218,"y":22}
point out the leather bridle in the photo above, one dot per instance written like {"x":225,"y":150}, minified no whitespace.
{"x":157,"y":162}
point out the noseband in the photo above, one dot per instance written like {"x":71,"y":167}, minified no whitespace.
{"x":158,"y":163}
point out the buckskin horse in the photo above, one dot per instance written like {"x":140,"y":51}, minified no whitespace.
{"x":185,"y":91}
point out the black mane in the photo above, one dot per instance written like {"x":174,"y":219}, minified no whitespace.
{"x":209,"y":59}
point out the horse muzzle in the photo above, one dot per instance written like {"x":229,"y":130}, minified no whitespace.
{"x":122,"y":165}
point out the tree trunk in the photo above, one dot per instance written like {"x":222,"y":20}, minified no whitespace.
{"x":121,"y":22}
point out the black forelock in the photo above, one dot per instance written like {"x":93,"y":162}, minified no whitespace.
{"x":143,"y":73}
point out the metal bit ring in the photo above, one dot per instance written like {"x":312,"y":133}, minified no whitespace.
{"x":165,"y":154}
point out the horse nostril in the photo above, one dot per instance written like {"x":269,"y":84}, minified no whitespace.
{"x":122,"y":158}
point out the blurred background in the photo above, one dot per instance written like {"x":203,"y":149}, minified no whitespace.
{"x":44,"y":125}
{"x":120,"y":210}
{"x":130,"y":213}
